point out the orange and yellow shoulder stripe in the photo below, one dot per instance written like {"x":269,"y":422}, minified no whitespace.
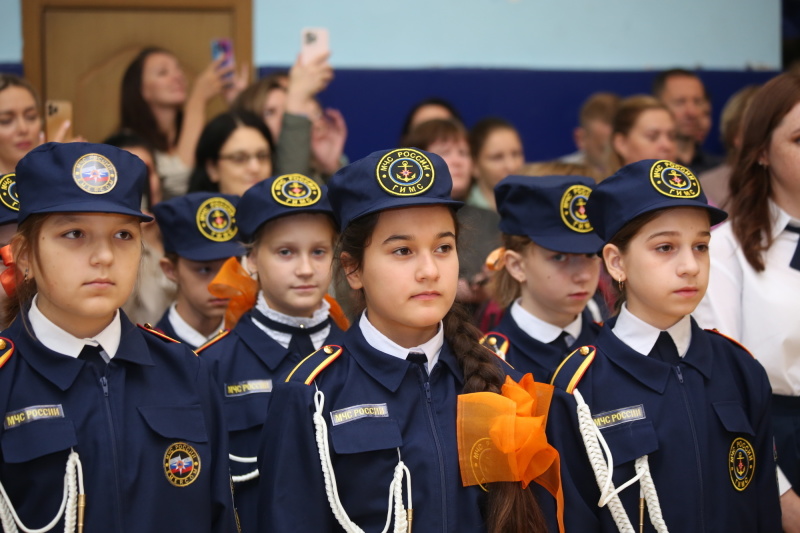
{"x":497,"y":343}
{"x":150,"y":329}
{"x":572,"y":368}
{"x":309,"y":368}
{"x":221,"y":334}
{"x":6,"y":350}
{"x":734,"y":341}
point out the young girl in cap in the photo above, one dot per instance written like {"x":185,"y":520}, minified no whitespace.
{"x":288,"y":224}
{"x":547,"y":271}
{"x":373,"y":421}
{"x":129,"y":414}
{"x":680,"y":412}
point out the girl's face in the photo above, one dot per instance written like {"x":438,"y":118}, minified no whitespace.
{"x":163,"y":80}
{"x":409,"y":272}
{"x":651,"y":137}
{"x":665,"y":268}
{"x":20,"y":126}
{"x":782,"y":156}
{"x":455,"y":153}
{"x":555,"y":286}
{"x":293,"y":260}
{"x":244,"y":160}
{"x":499,"y":156}
{"x":85,"y":268}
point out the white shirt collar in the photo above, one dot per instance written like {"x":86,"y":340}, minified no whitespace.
{"x":185,"y":331}
{"x":65,"y":343}
{"x":381,"y":342}
{"x":319,"y":316}
{"x":543,"y":331}
{"x":780,"y":219}
{"x":641,"y":336}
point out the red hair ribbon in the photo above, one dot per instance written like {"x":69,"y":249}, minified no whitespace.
{"x":9,"y":277}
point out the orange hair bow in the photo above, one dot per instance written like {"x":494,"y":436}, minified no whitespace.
{"x":496,"y":259}
{"x":233,"y":282}
{"x":10,"y":276}
{"x":501,"y":437}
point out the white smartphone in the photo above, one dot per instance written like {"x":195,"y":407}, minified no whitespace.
{"x":314,"y":42}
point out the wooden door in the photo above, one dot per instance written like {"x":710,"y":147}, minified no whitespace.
{"x":78,"y":50}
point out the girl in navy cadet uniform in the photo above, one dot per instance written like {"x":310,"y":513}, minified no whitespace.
{"x":129,"y":414}
{"x":371,"y":423}
{"x":681,"y":412}
{"x":547,"y":271}
{"x":288,"y":223}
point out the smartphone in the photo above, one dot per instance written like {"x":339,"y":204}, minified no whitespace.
{"x":56,"y":112}
{"x":222,"y":48}
{"x":314,"y":42}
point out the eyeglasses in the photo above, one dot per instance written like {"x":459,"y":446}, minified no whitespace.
{"x":242,"y":158}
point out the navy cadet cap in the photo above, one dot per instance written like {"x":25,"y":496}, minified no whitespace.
{"x":9,"y":199}
{"x":550,"y":210}
{"x":403,"y":177}
{"x":642,"y":187}
{"x":200,"y":226}
{"x":80,"y":178}
{"x":278,"y":196}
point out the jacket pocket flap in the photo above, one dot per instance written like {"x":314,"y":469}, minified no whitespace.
{"x":247,"y":412}
{"x":37,"y":439}
{"x":176,"y":421}
{"x":366,"y":435}
{"x":733,"y":417}
{"x":631,"y":440}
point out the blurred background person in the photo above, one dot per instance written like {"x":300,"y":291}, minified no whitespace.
{"x":643,"y":128}
{"x":497,"y":152}
{"x":20,"y":121}
{"x":429,"y":109}
{"x":593,"y":135}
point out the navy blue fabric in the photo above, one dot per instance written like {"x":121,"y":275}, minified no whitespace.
{"x":157,"y":393}
{"x":165,"y":326}
{"x":693,"y":412}
{"x":421,"y":422}
{"x":247,"y":354}
{"x":527,"y":354}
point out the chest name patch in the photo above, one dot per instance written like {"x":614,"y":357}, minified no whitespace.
{"x":30,"y":414}
{"x":619,"y":416}
{"x":367,"y":410}
{"x":253,"y":386}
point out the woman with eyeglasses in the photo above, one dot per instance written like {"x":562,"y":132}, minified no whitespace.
{"x":234,"y":153}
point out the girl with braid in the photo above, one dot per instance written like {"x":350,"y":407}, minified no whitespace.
{"x":378,"y":419}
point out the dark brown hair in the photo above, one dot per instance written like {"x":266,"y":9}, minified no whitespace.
{"x":510,"y":507}
{"x":628,"y":112}
{"x":432,"y":131}
{"x":24,"y":242}
{"x":751,"y":185}
{"x":504,"y":288}
{"x":482,"y":129}
{"x":661,"y":79}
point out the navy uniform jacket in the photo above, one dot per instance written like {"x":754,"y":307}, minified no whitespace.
{"x":155,"y":394}
{"x":246,"y":363}
{"x":686,"y":418}
{"x":420,"y":420}
{"x":165,"y":326}
{"x":527,"y":354}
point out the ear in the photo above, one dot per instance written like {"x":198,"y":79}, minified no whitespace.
{"x":169,"y":269}
{"x":212,"y":171}
{"x":620,"y":145}
{"x":21,"y":259}
{"x":763,"y":157}
{"x":615,"y":262}
{"x":515,"y":265}
{"x":352,"y":274}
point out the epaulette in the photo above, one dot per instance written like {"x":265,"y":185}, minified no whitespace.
{"x":150,"y":329}
{"x":572,"y":368}
{"x":497,"y":343}
{"x":6,"y":349}
{"x":309,"y":368}
{"x":218,"y":337}
{"x":734,"y":341}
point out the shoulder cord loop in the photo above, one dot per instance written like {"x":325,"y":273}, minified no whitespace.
{"x":402,"y":517}
{"x":73,"y":502}
{"x":246,"y":460}
{"x":593,"y":440}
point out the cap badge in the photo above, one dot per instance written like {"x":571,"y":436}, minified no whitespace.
{"x":295,"y":190}
{"x":405,"y":172}
{"x":8,"y":191}
{"x":741,"y":463}
{"x":673,"y":180}
{"x":573,"y":208}
{"x":94,"y":174}
{"x":216,"y":219}
{"x":181,"y":464}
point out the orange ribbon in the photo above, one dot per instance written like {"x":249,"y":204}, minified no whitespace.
{"x":337,"y":315}
{"x":233,"y":282}
{"x":501,"y":437}
{"x":9,"y":277}
{"x":496,"y":259}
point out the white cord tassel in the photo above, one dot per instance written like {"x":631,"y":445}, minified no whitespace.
{"x":603,"y":469}
{"x":246,"y":460}
{"x":73,"y":490}
{"x":401,"y":519}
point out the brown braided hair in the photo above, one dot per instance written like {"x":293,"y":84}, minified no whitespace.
{"x":510,"y":508}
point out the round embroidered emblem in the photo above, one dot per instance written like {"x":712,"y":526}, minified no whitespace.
{"x":181,"y":464}
{"x":477,"y":459}
{"x":94,"y":174}
{"x":741,"y":463}
{"x":216,"y":219}
{"x":405,"y":172}
{"x":673,"y":180}
{"x":8,"y":191}
{"x":573,"y":208}
{"x":296,"y":190}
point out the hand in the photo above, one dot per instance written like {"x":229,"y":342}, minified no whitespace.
{"x":211,"y":81}
{"x":306,"y":80}
{"x":61,"y":134}
{"x":237,"y":84}
{"x":328,"y":135}
{"x":790,"y":509}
